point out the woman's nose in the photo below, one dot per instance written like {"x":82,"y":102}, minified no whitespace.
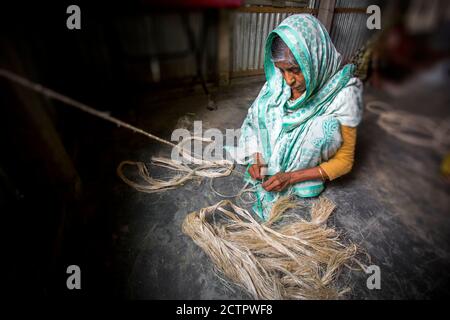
{"x":290,"y":79}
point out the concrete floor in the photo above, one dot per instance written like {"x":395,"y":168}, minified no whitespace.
{"x":394,"y":203}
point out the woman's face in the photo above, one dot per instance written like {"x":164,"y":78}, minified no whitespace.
{"x":293,"y":76}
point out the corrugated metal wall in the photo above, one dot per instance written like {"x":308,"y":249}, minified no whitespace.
{"x":250,"y":30}
{"x":349,"y":31}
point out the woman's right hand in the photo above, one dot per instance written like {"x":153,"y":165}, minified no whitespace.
{"x":255,"y":169}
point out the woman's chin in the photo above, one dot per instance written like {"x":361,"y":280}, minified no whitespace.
{"x":297,"y":92}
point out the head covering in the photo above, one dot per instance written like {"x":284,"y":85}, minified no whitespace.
{"x":314,"y":51}
{"x":320,"y":64}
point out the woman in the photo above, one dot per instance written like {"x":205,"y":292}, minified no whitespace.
{"x":301,"y":129}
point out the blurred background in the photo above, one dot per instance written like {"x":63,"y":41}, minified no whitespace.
{"x":163,"y":65}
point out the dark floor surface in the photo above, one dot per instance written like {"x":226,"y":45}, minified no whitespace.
{"x":394,"y":203}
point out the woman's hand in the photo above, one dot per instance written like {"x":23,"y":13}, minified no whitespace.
{"x":282,"y":180}
{"x":255,"y":171}
{"x":278,"y":182}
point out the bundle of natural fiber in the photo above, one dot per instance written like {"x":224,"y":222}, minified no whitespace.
{"x":286,"y":257}
{"x":193,"y":167}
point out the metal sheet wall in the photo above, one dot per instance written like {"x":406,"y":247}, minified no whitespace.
{"x":349,"y":31}
{"x":250,"y":30}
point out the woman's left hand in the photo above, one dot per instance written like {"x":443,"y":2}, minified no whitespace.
{"x":278,"y":182}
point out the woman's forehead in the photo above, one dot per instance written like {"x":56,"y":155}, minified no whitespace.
{"x":287,"y":64}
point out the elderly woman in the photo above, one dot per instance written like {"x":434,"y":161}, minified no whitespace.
{"x":301,"y":129}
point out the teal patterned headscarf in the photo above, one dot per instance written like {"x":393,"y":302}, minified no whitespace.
{"x":277,"y":127}
{"x":319,"y":62}
{"x":311,"y":46}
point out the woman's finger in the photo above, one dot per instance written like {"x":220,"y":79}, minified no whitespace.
{"x":258,"y":172}
{"x":280,"y":187}
{"x":272,"y":185}
{"x":271,"y":181}
{"x":254,"y":172}
{"x":268,"y":182}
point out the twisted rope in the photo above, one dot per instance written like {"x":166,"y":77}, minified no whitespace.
{"x":202,"y":168}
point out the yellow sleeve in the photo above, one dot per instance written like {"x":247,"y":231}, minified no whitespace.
{"x":342,"y":162}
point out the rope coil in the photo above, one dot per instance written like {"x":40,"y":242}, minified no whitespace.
{"x":414,"y":129}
